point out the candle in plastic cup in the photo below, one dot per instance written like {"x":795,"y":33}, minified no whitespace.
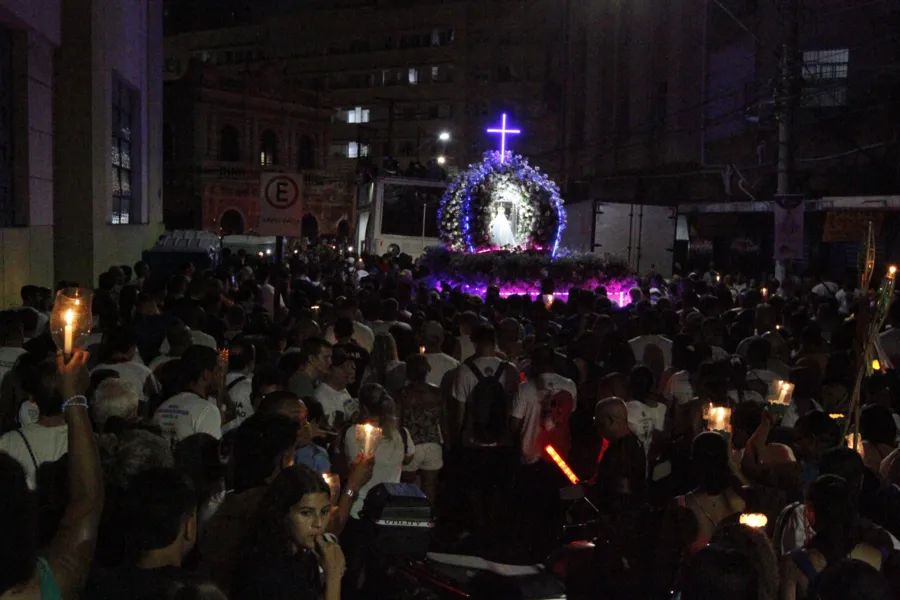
{"x":334,"y":484}
{"x":368,"y":436}
{"x":754,"y":520}
{"x":719,"y":419}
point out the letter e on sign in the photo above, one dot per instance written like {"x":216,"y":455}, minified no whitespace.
{"x":280,"y":207}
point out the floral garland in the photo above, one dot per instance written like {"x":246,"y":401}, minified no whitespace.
{"x":464,"y":216}
{"x":529,"y":272}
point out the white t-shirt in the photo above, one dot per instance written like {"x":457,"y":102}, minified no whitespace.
{"x":643,"y":420}
{"x":441,"y":364}
{"x":466,"y":380}
{"x":160,"y":361}
{"x":826,"y":289}
{"x":679,"y":388}
{"x":362,"y":335}
{"x":334,"y":401}
{"x":639,"y":346}
{"x":49,"y":444}
{"x":187,"y":413}
{"x":466,"y":348}
{"x":198,"y":338}
{"x":267,"y":291}
{"x":388,"y":465}
{"x":140,"y":376}
{"x":240,"y":395}
{"x":539,"y":411}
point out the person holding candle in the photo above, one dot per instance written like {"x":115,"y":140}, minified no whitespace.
{"x":57,"y":571}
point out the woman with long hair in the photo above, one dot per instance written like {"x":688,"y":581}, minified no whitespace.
{"x":394,"y":450}
{"x":385,"y":369}
{"x":287,"y":553}
{"x":715,"y":497}
{"x":832,"y":511}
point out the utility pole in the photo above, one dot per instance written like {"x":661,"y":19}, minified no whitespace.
{"x":789,"y":10}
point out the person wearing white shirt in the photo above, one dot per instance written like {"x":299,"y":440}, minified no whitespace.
{"x":198,"y":338}
{"x":440,"y":363}
{"x":826,"y":289}
{"x":465,"y":349}
{"x":651,"y":328}
{"x":191,"y":412}
{"x":337,"y":403}
{"x":179,"y":339}
{"x":646,"y":416}
{"x":120,"y":347}
{"x":239,"y":382}
{"x":542,"y":407}
{"x":47,"y":440}
{"x":488,"y":364}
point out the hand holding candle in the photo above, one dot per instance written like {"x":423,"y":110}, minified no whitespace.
{"x":719,"y":419}
{"x":71,"y":320}
{"x":334,"y":484}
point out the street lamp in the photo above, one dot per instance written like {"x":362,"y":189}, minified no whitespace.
{"x":441,"y":160}
{"x":444,"y":136}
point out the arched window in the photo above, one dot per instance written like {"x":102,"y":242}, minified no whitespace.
{"x":268,"y":149}
{"x":306,"y":152}
{"x":229,"y":144}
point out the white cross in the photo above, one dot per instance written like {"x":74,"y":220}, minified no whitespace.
{"x":503,"y":131}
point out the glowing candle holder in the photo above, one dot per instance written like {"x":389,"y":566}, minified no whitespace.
{"x":548,"y":300}
{"x":780,"y":395}
{"x":71,"y":320}
{"x":567,"y":471}
{"x":719,"y":419}
{"x":334,"y":484}
{"x":367,"y":438}
{"x":765,"y":294}
{"x":754,"y":520}
{"x":421,"y":349}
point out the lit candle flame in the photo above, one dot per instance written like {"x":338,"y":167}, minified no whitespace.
{"x":836,"y":416}
{"x":69,"y":317}
{"x":754,"y":520}
{"x":567,"y":471}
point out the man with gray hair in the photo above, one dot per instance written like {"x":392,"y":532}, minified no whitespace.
{"x":114,"y":397}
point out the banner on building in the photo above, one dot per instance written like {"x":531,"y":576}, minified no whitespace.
{"x":280,"y":204}
{"x":788,"y":227}
{"x":851,"y":225}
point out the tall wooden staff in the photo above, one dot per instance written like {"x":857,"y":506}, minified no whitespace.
{"x":876,"y":319}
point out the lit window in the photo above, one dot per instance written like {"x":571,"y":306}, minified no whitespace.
{"x":358,"y":115}
{"x":825,"y":74}
{"x":413,"y":76}
{"x":357,"y":150}
{"x":125,"y":110}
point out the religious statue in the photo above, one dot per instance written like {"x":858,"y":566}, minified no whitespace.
{"x":502,"y":234}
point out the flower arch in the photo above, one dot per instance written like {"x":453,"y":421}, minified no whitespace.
{"x":465,"y":214}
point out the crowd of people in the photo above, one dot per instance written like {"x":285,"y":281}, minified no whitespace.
{"x":209,"y":438}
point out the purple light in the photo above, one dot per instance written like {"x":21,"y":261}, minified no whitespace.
{"x":503,"y":131}
{"x":616,"y":290}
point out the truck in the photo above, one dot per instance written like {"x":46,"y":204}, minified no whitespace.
{"x":398,"y":213}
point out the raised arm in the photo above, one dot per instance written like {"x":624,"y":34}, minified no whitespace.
{"x":71,"y":552}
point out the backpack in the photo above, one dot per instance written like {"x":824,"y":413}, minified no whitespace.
{"x":487,"y":406}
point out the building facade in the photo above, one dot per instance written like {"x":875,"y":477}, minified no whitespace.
{"x":398,"y":74}
{"x":224,"y":129}
{"x":80,"y":153}
{"x":679,"y":101}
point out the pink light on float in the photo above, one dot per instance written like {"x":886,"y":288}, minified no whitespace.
{"x":617,"y":291}
{"x":503,"y":131}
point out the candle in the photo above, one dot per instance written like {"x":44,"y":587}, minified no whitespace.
{"x":780,"y":393}
{"x":421,"y":349}
{"x":765,"y":294}
{"x":68,"y":334}
{"x":334,"y":484}
{"x":855,"y":443}
{"x":368,"y":436}
{"x":754,"y":520}
{"x":549,"y":298}
{"x":719,"y":419}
